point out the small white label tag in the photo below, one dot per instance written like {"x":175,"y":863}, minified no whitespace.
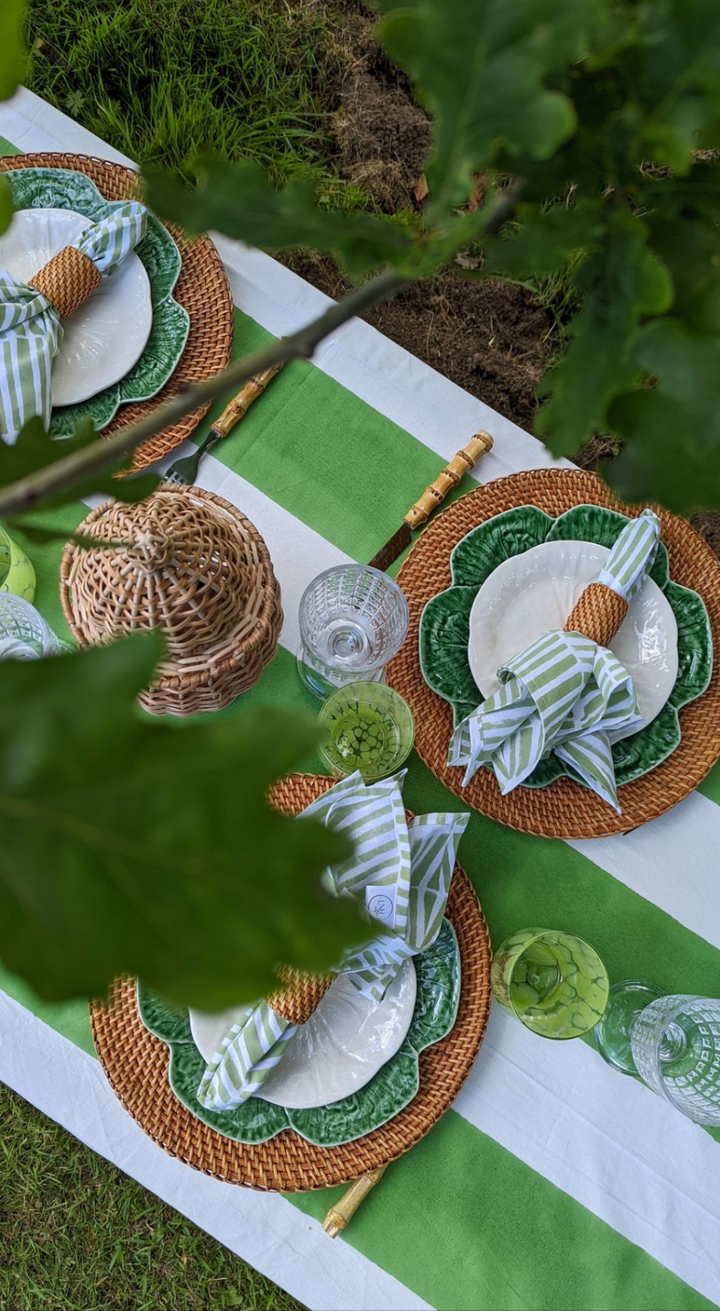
{"x":380,"y":903}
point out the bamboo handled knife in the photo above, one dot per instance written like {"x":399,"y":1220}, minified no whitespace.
{"x":420,"y":512}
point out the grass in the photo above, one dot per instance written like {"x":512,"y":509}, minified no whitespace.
{"x":167,"y":80}
{"x":78,"y":1235}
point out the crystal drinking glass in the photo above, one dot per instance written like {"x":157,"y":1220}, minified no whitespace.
{"x":554,"y":982}
{"x":676,"y":1048}
{"x":24,"y":635}
{"x":353,"y":620}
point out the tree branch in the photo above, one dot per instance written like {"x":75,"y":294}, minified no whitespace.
{"x":103,"y":455}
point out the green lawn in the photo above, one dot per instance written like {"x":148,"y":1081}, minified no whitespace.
{"x":167,"y":80}
{"x":78,"y":1235}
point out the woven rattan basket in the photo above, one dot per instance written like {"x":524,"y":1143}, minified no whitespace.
{"x":136,"y":1064}
{"x":192,"y":566}
{"x":202,"y":289}
{"x":564,"y":809}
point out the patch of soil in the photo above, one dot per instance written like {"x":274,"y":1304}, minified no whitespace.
{"x":492,"y":338}
{"x":382,"y":136}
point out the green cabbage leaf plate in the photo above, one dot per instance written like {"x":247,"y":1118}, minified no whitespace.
{"x":445,"y":628}
{"x":391,"y":1089}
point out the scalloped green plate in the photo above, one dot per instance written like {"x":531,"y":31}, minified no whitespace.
{"x":60,"y":188}
{"x":445,"y":629}
{"x":392,"y":1088}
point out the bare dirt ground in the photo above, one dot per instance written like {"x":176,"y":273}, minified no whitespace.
{"x":491,"y":337}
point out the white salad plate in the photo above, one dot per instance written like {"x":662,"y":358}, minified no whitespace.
{"x":340,"y":1049}
{"x":106,"y":336}
{"x":534,"y":592}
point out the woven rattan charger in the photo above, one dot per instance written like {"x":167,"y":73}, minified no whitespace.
{"x":202,"y":289}
{"x":564,"y":809}
{"x":136,"y":1064}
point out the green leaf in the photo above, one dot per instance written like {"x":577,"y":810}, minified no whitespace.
{"x":6,"y":205}
{"x":690,"y":250}
{"x":238,"y":199}
{"x":483,"y":69}
{"x":673,"y":431}
{"x":621,"y":282}
{"x":35,"y":450}
{"x":546,"y":240}
{"x":12,"y":54}
{"x":675,"y":82}
{"x":133,"y":845}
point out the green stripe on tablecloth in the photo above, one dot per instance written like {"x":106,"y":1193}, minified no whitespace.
{"x":469,"y":1227}
{"x":324,"y":454}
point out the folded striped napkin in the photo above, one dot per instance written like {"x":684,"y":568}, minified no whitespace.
{"x":401,"y":872}
{"x":566,"y":692}
{"x":31,"y":332}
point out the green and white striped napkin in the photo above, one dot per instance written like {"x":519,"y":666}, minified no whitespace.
{"x":400,"y":871}
{"x":31,"y":333}
{"x":563,"y":693}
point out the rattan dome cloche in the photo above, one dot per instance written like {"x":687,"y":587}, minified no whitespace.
{"x":192,"y":565}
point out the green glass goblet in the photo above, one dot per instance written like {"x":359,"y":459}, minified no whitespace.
{"x":365,"y":726}
{"x":554,"y":982}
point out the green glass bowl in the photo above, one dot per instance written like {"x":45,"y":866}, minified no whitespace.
{"x":365,"y":726}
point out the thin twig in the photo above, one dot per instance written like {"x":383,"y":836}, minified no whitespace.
{"x":55,"y":479}
{"x":101,"y":456}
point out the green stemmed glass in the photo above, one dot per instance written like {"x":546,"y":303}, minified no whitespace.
{"x":365,"y":726}
{"x":554,"y":982}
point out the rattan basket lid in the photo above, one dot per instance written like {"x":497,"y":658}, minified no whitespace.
{"x":181,"y":568}
{"x":191,"y":565}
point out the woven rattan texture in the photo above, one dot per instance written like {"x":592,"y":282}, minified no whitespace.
{"x":300,"y":995}
{"x":597,"y":614}
{"x":202,"y":289}
{"x":136,"y":1064}
{"x":196,"y":569}
{"x":564,"y":809}
{"x":67,"y":280}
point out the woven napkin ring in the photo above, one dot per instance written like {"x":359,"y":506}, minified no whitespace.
{"x":300,"y":995}
{"x":67,"y":280}
{"x":597,"y":614}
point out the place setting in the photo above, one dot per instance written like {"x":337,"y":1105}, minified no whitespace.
{"x":158,"y":316}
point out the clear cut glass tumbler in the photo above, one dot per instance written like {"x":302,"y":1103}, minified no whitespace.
{"x":676,"y":1049}
{"x":554,"y":982}
{"x":353,"y":620}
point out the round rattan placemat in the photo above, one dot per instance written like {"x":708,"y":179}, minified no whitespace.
{"x":202,"y":289}
{"x":564,"y":809}
{"x":136,"y":1064}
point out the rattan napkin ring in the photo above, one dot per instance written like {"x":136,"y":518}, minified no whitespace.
{"x":597,"y":614}
{"x":67,"y":280}
{"x":300,"y":994}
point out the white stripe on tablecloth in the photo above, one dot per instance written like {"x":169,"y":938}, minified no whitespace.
{"x":605,"y":1141}
{"x":262,"y":1228}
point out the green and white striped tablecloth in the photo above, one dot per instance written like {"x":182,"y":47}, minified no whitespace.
{"x":553,"y":1182}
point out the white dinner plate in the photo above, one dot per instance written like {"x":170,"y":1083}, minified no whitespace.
{"x":106,"y":336}
{"x":343,"y":1045}
{"x":534,"y":592}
